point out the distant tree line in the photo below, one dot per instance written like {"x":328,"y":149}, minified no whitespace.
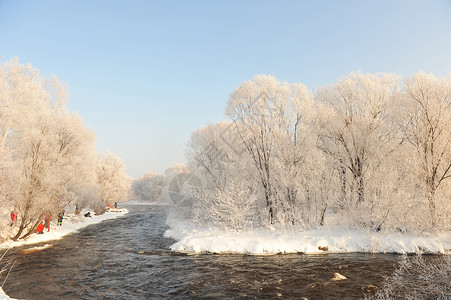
{"x":157,"y":187}
{"x":149,"y":188}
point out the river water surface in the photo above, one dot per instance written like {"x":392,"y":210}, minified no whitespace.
{"x":128,"y":258}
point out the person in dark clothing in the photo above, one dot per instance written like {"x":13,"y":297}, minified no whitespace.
{"x":115,"y":205}
{"x":60,"y":218}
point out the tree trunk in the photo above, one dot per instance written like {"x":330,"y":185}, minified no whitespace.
{"x":291,"y":202}
{"x":31,"y":231}
{"x":358,"y":177}
{"x":361,"y":190}
{"x":270,"y":206}
{"x":271,"y":215}
{"x":269,"y":202}
{"x":343,"y":185}
{"x":431,"y":202}
{"x":21,"y":228}
{"x":323,"y":212}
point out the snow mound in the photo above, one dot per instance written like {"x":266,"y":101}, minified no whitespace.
{"x":3,"y":296}
{"x":323,"y":240}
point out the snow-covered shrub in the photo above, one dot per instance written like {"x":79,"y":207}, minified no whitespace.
{"x":234,"y":206}
{"x":417,"y":279}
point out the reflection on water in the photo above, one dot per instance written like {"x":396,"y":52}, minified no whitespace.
{"x":128,"y":258}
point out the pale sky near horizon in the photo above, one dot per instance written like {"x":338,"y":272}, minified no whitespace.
{"x":145,"y":74}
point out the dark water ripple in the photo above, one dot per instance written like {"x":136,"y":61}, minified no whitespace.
{"x":128,"y":258}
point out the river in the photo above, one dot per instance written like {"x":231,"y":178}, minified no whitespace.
{"x":128,"y":258}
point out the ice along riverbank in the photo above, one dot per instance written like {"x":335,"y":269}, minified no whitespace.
{"x":336,"y":239}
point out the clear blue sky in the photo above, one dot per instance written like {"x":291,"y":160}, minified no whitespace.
{"x":145,"y":74}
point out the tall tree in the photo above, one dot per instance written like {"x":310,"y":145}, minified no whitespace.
{"x":44,"y":145}
{"x":355,"y":128}
{"x":112,"y":180}
{"x":47,"y":154}
{"x":252,"y":108}
{"x":427,"y":128}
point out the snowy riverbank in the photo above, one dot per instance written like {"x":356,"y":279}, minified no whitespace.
{"x":337,"y":239}
{"x":71,"y":223}
{"x":3,"y":296}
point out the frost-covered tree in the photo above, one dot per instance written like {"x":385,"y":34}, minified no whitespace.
{"x":369,"y":149}
{"x":47,"y":154}
{"x":52,"y":154}
{"x":20,"y":87}
{"x":213,"y":151}
{"x":270,"y":122}
{"x":45,"y":144}
{"x":230,"y":193}
{"x":250,"y":108}
{"x":294,"y":150}
{"x":355,"y":129}
{"x":267,"y":148}
{"x":112,"y":180}
{"x":426,"y":126}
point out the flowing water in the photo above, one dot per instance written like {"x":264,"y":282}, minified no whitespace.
{"x":128,"y":258}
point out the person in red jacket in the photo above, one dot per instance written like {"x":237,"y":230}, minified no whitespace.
{"x":47,"y":221}
{"x":40,"y":228}
{"x":13,"y":217}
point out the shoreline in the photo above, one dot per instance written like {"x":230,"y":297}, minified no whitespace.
{"x":318,"y":241}
{"x":71,"y":223}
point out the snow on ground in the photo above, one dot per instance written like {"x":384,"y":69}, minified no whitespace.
{"x":331,"y":239}
{"x":71,"y":223}
{"x":137,"y":203}
{"x":3,"y":296}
